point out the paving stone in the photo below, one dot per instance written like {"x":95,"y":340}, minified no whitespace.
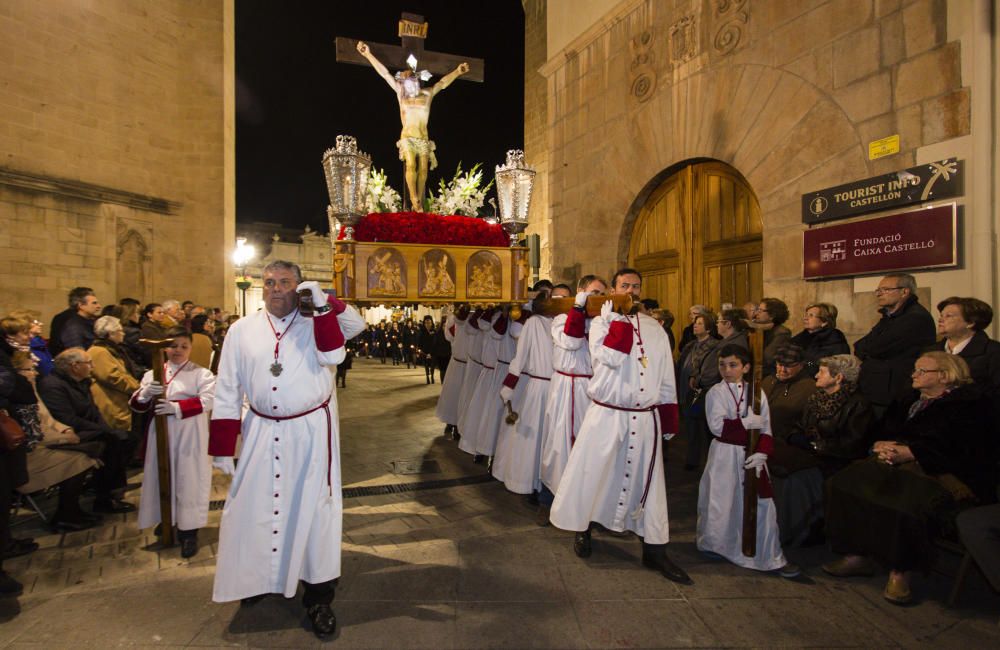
{"x":538,"y":625}
{"x":643,"y":624}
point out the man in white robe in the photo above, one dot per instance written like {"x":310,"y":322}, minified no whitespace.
{"x":615,"y":472}
{"x":477,"y":328}
{"x":282,"y":520}
{"x":497,"y":355}
{"x":451,"y":387}
{"x":526,"y":386}
{"x":568,"y":399}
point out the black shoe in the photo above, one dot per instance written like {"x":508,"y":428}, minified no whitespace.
{"x":658,"y":561}
{"x":323,"y":621}
{"x":479,"y":459}
{"x":581,"y":545}
{"x":189,"y":547}
{"x":19,"y":547}
{"x":455,"y":435}
{"x":113,"y":506}
{"x":250,"y":601}
{"x":9,"y":587}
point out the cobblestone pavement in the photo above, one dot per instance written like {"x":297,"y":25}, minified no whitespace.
{"x":463,"y":566}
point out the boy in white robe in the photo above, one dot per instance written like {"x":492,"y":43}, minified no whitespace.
{"x":720,"y":495}
{"x":185,"y":398}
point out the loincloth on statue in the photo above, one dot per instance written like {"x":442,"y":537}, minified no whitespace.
{"x":418,"y":147}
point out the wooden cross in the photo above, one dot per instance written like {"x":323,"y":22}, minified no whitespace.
{"x":412,"y":32}
{"x":162,"y":445}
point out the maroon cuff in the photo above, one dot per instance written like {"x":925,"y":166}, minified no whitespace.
{"x":452,"y":330}
{"x":190,"y":406}
{"x":669,"y":418}
{"x":766,"y":444}
{"x":337,"y":306}
{"x":222,"y":437}
{"x":510,"y":381}
{"x":136,"y":405}
{"x":327,"y":334}
{"x":575,"y":321}
{"x":734,"y":432}
{"x":619,"y":337}
{"x":500,"y":327}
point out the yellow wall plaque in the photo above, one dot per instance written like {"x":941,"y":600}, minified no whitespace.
{"x":883,"y":147}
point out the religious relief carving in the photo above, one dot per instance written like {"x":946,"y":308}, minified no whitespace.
{"x":387,"y":274}
{"x":436,"y":274}
{"x":483,"y":274}
{"x":133,"y":259}
{"x":683,"y":40}
{"x":731,"y":19}
{"x":641,"y":71}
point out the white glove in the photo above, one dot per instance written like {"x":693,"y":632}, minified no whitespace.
{"x":165,"y":407}
{"x":752,"y":421}
{"x":756,"y":462}
{"x":607,"y":309}
{"x":224,"y":464}
{"x":319,"y":298}
{"x":150,"y":391}
{"x":506,"y":393}
{"x":581,"y":299}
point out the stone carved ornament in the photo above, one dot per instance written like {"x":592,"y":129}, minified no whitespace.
{"x":641,"y":71}
{"x":731,"y":19}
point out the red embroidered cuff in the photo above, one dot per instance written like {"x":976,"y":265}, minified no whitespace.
{"x":669,"y":418}
{"x":500,"y":327}
{"x":326,"y":332}
{"x":190,"y":406}
{"x":136,"y":405}
{"x":222,"y":437}
{"x":619,"y":337}
{"x":734,"y":432}
{"x":765,"y":445}
{"x":337,"y":306}
{"x":510,"y":381}
{"x":575,"y":321}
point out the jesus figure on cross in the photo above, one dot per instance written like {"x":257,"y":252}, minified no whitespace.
{"x":416,"y":148}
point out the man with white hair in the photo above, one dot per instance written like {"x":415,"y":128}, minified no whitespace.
{"x":283,"y":518}
{"x":173,"y":311}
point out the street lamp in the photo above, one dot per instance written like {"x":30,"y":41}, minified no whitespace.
{"x":346,"y":171}
{"x":514,"y":181}
{"x":241,"y":257}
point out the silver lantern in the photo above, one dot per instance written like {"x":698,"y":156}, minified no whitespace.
{"x":514,"y":181}
{"x":347,"y":183}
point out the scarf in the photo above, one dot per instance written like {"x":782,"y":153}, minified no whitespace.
{"x":826,"y":405}
{"x":698,"y":354}
{"x":923,"y":403}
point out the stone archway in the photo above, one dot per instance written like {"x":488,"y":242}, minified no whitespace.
{"x":697,"y":238}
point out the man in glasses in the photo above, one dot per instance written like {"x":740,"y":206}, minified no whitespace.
{"x":888,"y":351}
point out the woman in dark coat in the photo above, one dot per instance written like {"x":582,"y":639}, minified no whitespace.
{"x":961,"y":324}
{"x":820,"y":337}
{"x":941,"y":459}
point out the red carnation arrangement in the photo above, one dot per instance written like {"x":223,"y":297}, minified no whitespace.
{"x":425,"y":228}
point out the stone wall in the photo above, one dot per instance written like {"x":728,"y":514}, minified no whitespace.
{"x":114,"y":174}
{"x":788,"y":93}
{"x":536,"y":149}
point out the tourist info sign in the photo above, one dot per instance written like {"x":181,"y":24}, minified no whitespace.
{"x":919,"y":239}
{"x":931,"y":182}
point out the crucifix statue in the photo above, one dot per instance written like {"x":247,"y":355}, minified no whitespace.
{"x":416,"y":149}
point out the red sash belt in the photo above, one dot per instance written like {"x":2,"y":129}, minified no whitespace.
{"x":536,"y":376}
{"x":572,"y":403}
{"x":503,"y":362}
{"x":656,"y":444}
{"x":488,"y":367}
{"x":734,"y":433}
{"x":475,"y":362}
{"x":329,"y":432}
{"x":457,"y":360}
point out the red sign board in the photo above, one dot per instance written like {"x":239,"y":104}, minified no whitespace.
{"x":919,"y":239}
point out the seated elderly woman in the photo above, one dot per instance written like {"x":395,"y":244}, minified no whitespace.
{"x":941,"y":459}
{"x":48,"y":465}
{"x":114,"y":374}
{"x":820,"y":337}
{"x":796,"y":488}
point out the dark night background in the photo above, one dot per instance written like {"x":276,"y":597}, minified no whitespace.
{"x":293,"y":98}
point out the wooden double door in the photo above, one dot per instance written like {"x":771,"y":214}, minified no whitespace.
{"x":697,"y":240}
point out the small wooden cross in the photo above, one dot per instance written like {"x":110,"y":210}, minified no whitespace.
{"x":412,"y":32}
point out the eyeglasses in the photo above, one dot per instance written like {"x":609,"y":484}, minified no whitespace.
{"x":881,"y":290}
{"x":923,"y":371}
